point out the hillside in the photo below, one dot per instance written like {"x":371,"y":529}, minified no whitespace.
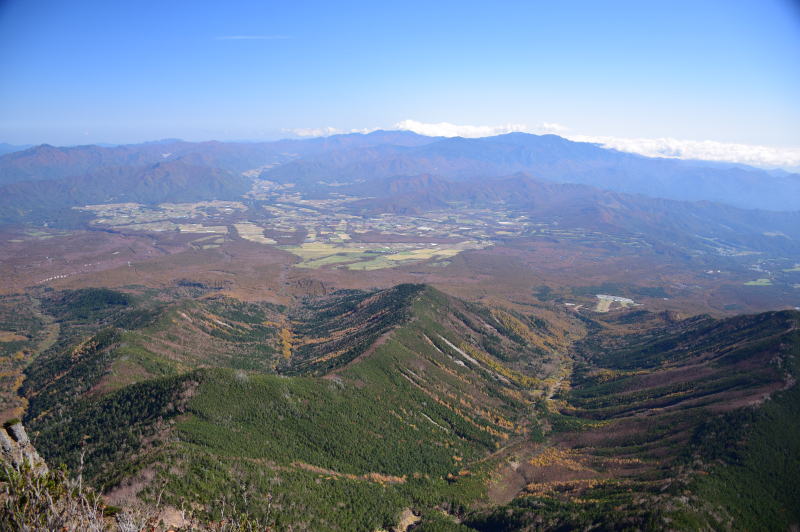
{"x":396,"y":428}
{"x":695,"y":225}
{"x":46,"y":162}
{"x":689,"y":416}
{"x":52,"y":200}
{"x":341,"y":411}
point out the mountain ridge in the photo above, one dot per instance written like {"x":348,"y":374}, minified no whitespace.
{"x":383,"y":154}
{"x":443,"y":404}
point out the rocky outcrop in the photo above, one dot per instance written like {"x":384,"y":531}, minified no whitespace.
{"x":405,"y":520}
{"x":16,"y":449}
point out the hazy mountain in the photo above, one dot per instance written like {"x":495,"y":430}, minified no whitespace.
{"x":556,"y":159}
{"x":383,"y":154}
{"x":10,"y":148}
{"x":50,"y":162}
{"x":170,"y":181}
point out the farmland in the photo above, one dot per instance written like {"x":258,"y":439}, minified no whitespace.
{"x":279,"y":237}
{"x":331,"y":236}
{"x":374,"y":256}
{"x":327,"y":234}
{"x":135,"y":216}
{"x":252,"y":232}
{"x":759,"y":282}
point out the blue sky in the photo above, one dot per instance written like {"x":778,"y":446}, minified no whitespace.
{"x":82,"y":71}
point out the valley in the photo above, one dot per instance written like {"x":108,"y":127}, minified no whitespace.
{"x":325,"y":239}
{"x":399,"y":267}
{"x":306,"y":346}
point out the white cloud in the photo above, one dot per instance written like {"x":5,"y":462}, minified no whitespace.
{"x":315,"y":131}
{"x":705,"y":150}
{"x":327,"y":131}
{"x":550,"y":127}
{"x":365,"y":130}
{"x":445,"y":129}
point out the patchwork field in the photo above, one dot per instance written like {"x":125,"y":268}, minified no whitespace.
{"x":373,"y":256}
{"x":327,"y":242}
{"x":115,"y":214}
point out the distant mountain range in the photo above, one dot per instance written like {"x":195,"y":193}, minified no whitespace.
{"x":553,"y":158}
{"x":50,"y":162}
{"x":168,"y":181}
{"x":384,"y":154}
{"x":579,"y":185}
{"x":240,"y":369}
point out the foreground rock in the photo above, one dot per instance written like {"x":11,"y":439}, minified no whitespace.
{"x":17,"y":449}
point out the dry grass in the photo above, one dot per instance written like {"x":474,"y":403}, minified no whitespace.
{"x":200,"y":228}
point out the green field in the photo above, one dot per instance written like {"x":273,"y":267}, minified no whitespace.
{"x":335,"y":259}
{"x":354,"y":256}
{"x":759,"y":282}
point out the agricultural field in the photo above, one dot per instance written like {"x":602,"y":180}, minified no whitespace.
{"x":759,"y":282}
{"x":138,"y":217}
{"x":332,"y":240}
{"x":253,"y":233}
{"x":373,"y":256}
{"x":200,"y":228}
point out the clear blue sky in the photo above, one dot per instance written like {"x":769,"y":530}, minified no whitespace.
{"x":116,"y":71}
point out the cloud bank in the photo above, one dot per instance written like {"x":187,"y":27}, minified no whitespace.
{"x":706,"y":150}
{"x":445,"y":129}
{"x":315,"y":131}
{"x":326,"y":131}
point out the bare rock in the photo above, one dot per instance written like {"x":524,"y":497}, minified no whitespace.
{"x":16,"y":449}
